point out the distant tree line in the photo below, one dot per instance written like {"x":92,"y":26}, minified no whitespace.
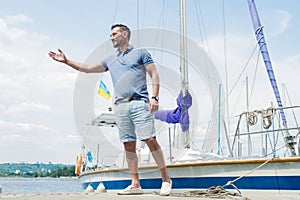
{"x":36,"y":170}
{"x":65,"y":171}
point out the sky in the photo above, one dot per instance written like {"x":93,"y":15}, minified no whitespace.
{"x":36,"y":100}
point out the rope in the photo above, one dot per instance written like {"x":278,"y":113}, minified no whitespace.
{"x":219,"y":191}
{"x":246,"y":174}
{"x":267,"y":117}
{"x":252,"y":118}
{"x":212,"y":192}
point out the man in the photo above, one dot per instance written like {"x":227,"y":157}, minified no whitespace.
{"x":133,"y":109}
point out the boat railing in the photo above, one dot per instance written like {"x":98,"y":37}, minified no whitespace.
{"x":266,"y":126}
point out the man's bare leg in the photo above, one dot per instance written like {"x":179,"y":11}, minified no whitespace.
{"x":158,"y":157}
{"x":132,"y":162}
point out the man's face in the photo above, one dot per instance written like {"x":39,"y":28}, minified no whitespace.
{"x":117,"y":37}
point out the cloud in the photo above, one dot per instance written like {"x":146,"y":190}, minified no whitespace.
{"x":20,"y":48}
{"x":25,"y":132}
{"x":280,"y":20}
{"x":237,"y":58}
{"x":11,"y":89}
{"x":28,"y":107}
{"x":26,"y":71}
{"x":2,"y":108}
{"x":33,"y":105}
{"x":10,"y":128}
{"x":8,"y":59}
{"x":10,"y":34}
{"x":16,"y":19}
{"x":55,"y":80}
{"x":30,"y":142}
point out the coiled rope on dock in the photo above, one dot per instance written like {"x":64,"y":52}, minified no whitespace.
{"x":212,"y":192}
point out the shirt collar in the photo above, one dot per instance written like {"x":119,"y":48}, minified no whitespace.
{"x":129,"y":48}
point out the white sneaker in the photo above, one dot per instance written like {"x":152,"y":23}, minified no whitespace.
{"x":129,"y":190}
{"x":166,"y":188}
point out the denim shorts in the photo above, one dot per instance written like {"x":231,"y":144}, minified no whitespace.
{"x":134,"y":121}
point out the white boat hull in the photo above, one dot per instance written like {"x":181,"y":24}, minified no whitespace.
{"x":275,"y":174}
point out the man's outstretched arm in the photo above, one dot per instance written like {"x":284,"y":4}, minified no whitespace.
{"x":61,"y":57}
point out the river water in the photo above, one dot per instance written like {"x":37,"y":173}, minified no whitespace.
{"x":39,"y":185}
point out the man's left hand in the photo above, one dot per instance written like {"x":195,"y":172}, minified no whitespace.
{"x":153,"y":106}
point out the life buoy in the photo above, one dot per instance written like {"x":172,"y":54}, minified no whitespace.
{"x":78,"y":164}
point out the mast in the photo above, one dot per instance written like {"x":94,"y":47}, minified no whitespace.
{"x":183,"y":50}
{"x":258,"y":28}
{"x":183,"y":61}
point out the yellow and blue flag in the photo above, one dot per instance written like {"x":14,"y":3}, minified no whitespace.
{"x":103,"y":91}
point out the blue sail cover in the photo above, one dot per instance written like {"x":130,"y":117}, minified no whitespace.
{"x":265,"y":54}
{"x":179,"y":114}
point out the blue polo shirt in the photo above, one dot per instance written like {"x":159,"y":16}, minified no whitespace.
{"x":128,"y":73}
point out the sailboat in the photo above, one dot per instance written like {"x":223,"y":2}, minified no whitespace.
{"x":189,"y":167}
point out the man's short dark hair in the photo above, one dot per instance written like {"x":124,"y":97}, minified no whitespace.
{"x":123,"y":28}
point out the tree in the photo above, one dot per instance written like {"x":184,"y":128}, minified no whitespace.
{"x":35,"y":174}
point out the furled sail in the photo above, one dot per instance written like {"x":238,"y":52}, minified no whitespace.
{"x":258,"y":28}
{"x":179,"y":114}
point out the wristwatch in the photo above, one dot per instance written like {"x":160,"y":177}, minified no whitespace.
{"x":155,"y":97}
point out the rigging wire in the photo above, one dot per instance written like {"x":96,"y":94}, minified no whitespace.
{"x":277,"y":137}
{"x":239,"y":78}
{"x":225,"y":63}
{"x":254,"y":78}
{"x":237,"y":100}
{"x":203,"y":36}
{"x":202,"y":31}
{"x":161,"y":23}
{"x":243,"y":70}
{"x":115,"y":12}
{"x":162,"y":17}
{"x":290,"y":101}
{"x":144,"y":12}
